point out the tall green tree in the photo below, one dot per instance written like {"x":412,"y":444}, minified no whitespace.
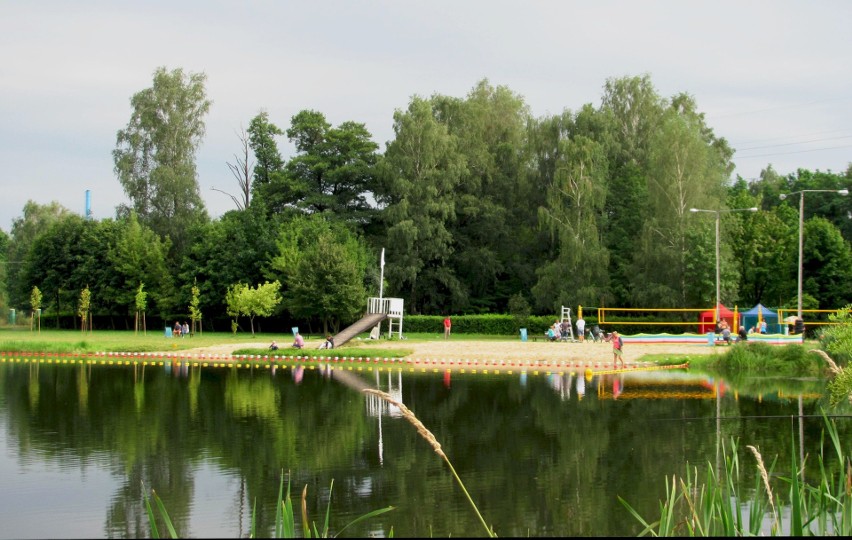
{"x":268,"y":162}
{"x":421,"y":172}
{"x":574,"y":180}
{"x":495,"y":239}
{"x":332,"y":171}
{"x":234,"y":248}
{"x":155,"y":154}
{"x":323,"y":266}
{"x":36,"y":219}
{"x":137,"y":256}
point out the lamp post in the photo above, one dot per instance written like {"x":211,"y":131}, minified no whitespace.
{"x":801,"y":194}
{"x":718,"y":215}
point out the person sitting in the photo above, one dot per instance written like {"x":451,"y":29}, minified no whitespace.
{"x":273,"y":346}
{"x":551,"y":334}
{"x":595,"y":333}
{"x":742,"y":334}
{"x":177,"y":329}
{"x":726,"y":332}
{"x":299,"y":342}
{"x":328,"y":343}
{"x":184,"y":329}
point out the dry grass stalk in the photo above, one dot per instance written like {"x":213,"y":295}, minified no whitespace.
{"x":831,"y":365}
{"x":765,"y":476}
{"x":430,"y":438}
{"x":408,"y":415}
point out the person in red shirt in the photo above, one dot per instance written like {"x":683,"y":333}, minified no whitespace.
{"x":448,"y":324}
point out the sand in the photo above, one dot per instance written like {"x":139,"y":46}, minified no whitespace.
{"x":444,"y":351}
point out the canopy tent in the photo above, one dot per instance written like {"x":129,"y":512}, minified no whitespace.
{"x":706,"y":318}
{"x":761,"y":312}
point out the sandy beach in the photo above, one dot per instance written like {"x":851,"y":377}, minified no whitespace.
{"x":450,"y":352}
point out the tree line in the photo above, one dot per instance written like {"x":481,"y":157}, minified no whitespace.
{"x":480,"y":206}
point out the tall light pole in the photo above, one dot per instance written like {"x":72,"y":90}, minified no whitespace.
{"x":801,"y":194}
{"x":718,"y":216}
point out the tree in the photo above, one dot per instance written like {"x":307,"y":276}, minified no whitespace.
{"x":141,"y":304}
{"x":84,"y":309}
{"x":35,"y":303}
{"x":574,"y":181}
{"x":332,"y":172}
{"x":251,"y":302}
{"x":421,"y":171}
{"x":323,"y":267}
{"x":155,"y":154}
{"x":194,"y":308}
{"x":262,"y":300}
{"x":268,"y":162}
{"x":36,"y":219}
{"x":235,"y":301}
{"x":243,"y":172}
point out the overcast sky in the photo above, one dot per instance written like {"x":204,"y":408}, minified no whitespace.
{"x":773,"y":77}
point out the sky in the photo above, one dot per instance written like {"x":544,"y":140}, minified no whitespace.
{"x":771,"y":77}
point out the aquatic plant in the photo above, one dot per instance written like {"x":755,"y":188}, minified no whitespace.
{"x":717,"y":506}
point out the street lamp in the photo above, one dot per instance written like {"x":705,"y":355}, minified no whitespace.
{"x":718,"y":214}
{"x":801,"y":222}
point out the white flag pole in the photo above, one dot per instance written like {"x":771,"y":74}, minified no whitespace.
{"x":382,"y":274}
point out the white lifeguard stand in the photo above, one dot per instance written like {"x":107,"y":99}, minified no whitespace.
{"x":392,"y":307}
{"x":566,"y":316}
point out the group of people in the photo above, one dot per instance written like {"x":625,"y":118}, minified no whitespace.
{"x":723,"y":328}
{"x":180,"y":330}
{"x":560,"y":331}
{"x":299,"y":343}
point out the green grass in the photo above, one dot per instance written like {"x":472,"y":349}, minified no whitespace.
{"x":74,"y":341}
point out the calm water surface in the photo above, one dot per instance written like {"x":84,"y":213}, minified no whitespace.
{"x":541,"y":454}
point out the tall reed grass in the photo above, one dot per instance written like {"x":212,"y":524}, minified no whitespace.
{"x":718,"y":505}
{"x":285,"y":516}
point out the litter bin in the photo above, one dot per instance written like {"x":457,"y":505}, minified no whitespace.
{"x":711,"y":339}
{"x":295,"y":330}
{"x":523,"y":334}
{"x":799,"y":327}
{"x":168,"y":331}
{"x":12,"y":317}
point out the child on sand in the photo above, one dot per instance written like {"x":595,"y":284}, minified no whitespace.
{"x":617,"y":346}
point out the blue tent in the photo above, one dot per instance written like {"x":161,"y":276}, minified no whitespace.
{"x":750,"y":318}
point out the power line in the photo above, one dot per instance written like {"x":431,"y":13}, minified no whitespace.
{"x":795,"y":152}
{"x":795,"y":143}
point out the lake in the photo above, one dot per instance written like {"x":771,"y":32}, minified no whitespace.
{"x":541,"y":454}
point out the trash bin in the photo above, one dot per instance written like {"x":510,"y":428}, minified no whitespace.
{"x":799,"y":327}
{"x":168,"y":331}
{"x":711,"y":339}
{"x":295,"y":330}
{"x":523,"y":334}
{"x":12,"y":317}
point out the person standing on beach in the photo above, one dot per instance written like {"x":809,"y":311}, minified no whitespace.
{"x":617,"y":346}
{"x":448,"y":325}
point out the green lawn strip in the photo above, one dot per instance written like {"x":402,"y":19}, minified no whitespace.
{"x":74,"y":341}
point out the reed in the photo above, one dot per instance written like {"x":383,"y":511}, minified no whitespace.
{"x":716,"y":505}
{"x":285,"y":516}
{"x":436,"y":446}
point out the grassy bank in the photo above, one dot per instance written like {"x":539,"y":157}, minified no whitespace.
{"x":74,"y":341}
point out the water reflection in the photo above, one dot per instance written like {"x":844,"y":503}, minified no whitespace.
{"x":540,"y":454}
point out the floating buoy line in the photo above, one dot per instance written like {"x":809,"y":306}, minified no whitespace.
{"x":351,"y":363}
